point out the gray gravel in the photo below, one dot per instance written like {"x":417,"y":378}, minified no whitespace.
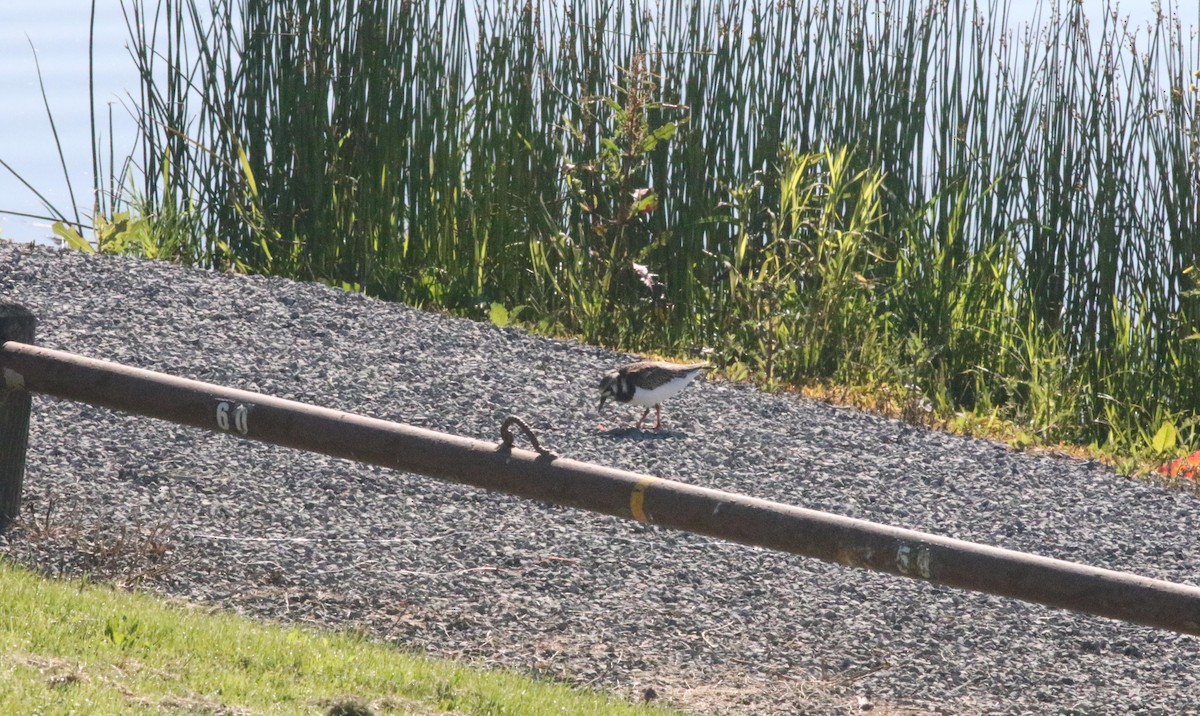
{"x":563,"y":593}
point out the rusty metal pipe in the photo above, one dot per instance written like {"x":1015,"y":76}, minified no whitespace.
{"x":748,"y":520}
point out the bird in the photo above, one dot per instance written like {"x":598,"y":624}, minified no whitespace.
{"x":647,"y":383}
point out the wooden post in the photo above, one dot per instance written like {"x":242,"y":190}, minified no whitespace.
{"x":16,"y":324}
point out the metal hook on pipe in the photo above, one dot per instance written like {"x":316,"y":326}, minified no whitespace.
{"x":506,"y":437}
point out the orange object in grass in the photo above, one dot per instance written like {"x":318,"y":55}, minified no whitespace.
{"x":1188,"y":467}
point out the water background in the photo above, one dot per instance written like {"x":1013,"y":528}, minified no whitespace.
{"x":58,"y":31}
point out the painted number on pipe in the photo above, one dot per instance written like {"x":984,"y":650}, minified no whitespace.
{"x":231,"y":416}
{"x":913,"y":560}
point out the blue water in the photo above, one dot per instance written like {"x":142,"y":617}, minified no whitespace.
{"x":58,"y":30}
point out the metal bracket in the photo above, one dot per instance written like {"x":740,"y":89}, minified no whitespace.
{"x":506,"y":437}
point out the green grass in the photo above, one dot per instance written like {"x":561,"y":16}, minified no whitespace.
{"x":74,"y":647}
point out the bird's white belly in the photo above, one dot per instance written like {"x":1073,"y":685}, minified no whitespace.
{"x":647,"y":398}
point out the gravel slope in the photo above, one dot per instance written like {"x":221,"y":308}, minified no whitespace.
{"x":564,"y":593}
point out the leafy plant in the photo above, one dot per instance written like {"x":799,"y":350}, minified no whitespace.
{"x":598,"y":259}
{"x":796,"y":293}
{"x":122,"y":632}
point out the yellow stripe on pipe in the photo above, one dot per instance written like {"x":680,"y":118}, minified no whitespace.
{"x":637,"y":499}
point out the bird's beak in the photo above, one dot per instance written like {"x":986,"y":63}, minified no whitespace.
{"x":603,"y":397}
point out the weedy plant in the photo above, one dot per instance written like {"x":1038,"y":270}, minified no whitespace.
{"x":915,"y":194}
{"x":795,"y":298}
{"x":591,"y":266}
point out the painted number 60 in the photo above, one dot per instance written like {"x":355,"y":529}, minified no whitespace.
{"x":241,"y":417}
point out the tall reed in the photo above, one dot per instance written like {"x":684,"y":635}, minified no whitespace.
{"x":871,"y":191}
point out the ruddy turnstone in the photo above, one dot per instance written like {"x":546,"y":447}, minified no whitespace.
{"x":647,"y":383}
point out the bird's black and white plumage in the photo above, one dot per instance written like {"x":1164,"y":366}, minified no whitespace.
{"x":647,"y":383}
